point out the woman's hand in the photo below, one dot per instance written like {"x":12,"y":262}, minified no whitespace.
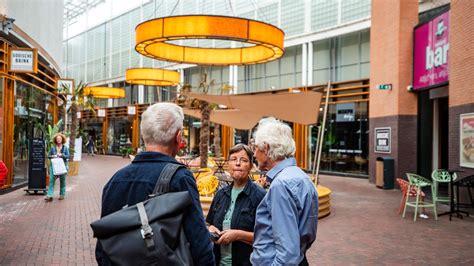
{"x":214,"y":229}
{"x":228,"y":236}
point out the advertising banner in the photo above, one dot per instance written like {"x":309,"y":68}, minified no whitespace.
{"x":431,"y":49}
{"x":466,"y":147}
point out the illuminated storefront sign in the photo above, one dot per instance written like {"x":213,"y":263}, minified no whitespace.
{"x":431,"y":50}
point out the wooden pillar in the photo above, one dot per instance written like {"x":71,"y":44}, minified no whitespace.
{"x":300,"y":134}
{"x":136,"y":130}
{"x":8,"y":126}
{"x":105,"y":128}
{"x":227,"y":140}
{"x":55,"y":110}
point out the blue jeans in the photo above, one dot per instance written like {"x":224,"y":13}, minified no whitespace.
{"x":62,"y":183}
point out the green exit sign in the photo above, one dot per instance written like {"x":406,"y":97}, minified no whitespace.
{"x":385,"y":87}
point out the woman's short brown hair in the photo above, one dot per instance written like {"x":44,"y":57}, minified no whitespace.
{"x":63,"y":138}
{"x":240,"y":147}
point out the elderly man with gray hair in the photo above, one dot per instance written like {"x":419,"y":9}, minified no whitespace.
{"x":286,"y":219}
{"x":161,"y":129}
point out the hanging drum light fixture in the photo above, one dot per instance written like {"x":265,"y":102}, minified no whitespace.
{"x":105,"y":92}
{"x":154,"y":38}
{"x":152,"y":76}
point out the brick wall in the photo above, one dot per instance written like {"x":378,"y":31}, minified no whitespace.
{"x":461,"y":74}
{"x":391,"y":55}
{"x":461,"y":53}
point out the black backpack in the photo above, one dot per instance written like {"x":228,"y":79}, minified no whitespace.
{"x":150,"y":232}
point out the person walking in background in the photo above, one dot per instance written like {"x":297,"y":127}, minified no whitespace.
{"x":90,"y":145}
{"x":161,"y":130}
{"x":286,"y":219}
{"x":59,"y":150}
{"x":231,"y":216}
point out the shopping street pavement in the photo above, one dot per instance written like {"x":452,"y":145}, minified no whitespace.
{"x":363,"y":228}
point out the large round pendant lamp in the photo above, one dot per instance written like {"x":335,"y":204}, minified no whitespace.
{"x":105,"y":92}
{"x":152,"y":76}
{"x":153,"y":40}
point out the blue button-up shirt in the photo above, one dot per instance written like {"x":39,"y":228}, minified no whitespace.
{"x":287,"y":217}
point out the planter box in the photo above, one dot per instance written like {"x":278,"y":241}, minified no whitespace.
{"x":73,"y":169}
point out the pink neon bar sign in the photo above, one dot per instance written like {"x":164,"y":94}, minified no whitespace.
{"x":431,"y":49}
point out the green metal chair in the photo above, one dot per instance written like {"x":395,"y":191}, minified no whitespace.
{"x":441,"y":176}
{"x":417,"y":182}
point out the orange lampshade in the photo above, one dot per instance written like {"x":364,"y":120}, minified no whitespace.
{"x":152,"y":76}
{"x":105,"y":92}
{"x":152,"y":38}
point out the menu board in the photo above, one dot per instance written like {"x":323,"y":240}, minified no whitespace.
{"x":36,"y":169}
{"x":383,"y":140}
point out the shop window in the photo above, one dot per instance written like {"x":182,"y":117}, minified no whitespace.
{"x":119,"y":135}
{"x":32,"y":113}
{"x":345,"y":145}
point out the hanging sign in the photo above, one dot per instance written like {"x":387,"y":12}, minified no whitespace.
{"x":23,"y":60}
{"x":383,"y":140}
{"x":345,"y":112}
{"x":131,"y":110}
{"x":101,"y":113}
{"x":65,"y":86}
{"x":430,"y":55}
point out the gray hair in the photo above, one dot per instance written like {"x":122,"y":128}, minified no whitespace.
{"x":278,"y":136}
{"x":160,"y":122}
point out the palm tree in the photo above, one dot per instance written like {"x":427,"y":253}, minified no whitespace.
{"x":78,"y":100}
{"x":217,"y":140}
{"x":205,"y":109}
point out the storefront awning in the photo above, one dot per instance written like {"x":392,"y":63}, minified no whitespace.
{"x":232,"y":118}
{"x":302,"y":107}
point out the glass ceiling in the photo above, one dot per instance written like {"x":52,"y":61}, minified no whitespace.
{"x":75,"y":8}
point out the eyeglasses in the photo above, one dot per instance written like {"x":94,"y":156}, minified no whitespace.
{"x":241,"y":160}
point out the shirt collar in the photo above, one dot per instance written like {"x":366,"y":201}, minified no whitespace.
{"x":246,"y":190}
{"x":151,"y":156}
{"x":279,"y":167}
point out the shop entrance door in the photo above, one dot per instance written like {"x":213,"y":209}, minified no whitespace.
{"x":440,"y":133}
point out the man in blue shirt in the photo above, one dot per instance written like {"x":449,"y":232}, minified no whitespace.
{"x":287,"y":217}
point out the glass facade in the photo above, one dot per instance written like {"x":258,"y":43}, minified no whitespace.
{"x":349,"y":61}
{"x":107,"y":50}
{"x":33,"y":110}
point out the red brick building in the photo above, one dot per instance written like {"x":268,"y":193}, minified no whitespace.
{"x":424,"y":121}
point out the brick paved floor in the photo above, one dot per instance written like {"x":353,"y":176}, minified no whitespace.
{"x":363,"y":228}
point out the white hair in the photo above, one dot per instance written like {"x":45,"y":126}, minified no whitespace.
{"x":278,"y":136}
{"x":160,"y":122}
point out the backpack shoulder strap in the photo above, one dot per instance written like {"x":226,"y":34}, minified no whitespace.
{"x":163,"y":183}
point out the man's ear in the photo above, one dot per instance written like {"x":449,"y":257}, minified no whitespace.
{"x":179,"y":136}
{"x":267,"y":148}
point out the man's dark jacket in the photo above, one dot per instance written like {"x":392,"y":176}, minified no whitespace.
{"x":133,"y":183}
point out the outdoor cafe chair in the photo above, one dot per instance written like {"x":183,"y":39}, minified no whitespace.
{"x":418,"y":182}
{"x":441,"y":176}
{"x":404,"y":188}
